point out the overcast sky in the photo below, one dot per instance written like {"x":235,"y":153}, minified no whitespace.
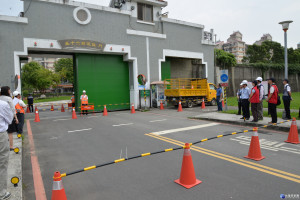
{"x":252,"y":18}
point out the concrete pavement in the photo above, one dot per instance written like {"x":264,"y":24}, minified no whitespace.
{"x":66,"y":145}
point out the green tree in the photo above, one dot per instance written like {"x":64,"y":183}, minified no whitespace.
{"x":224,"y":59}
{"x":256,"y":53}
{"x":64,"y":67}
{"x":36,"y":77}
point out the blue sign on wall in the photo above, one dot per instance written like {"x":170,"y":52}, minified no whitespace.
{"x":224,"y":77}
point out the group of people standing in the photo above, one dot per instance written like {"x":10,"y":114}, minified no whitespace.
{"x":256,"y":96}
{"x":11,"y":120}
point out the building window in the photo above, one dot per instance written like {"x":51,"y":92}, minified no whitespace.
{"x":145,"y":12}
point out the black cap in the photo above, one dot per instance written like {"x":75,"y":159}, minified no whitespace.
{"x":255,"y":82}
{"x":272,"y":79}
{"x":287,"y":80}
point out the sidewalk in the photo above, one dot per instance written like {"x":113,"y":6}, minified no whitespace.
{"x":265,"y":109}
{"x":235,"y":119}
{"x":15,"y":169}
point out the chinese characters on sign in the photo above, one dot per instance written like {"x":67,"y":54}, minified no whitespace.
{"x":81,"y":44}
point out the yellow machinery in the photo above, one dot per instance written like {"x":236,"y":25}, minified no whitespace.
{"x":189,"y":91}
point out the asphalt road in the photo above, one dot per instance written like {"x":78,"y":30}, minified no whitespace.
{"x":66,"y":145}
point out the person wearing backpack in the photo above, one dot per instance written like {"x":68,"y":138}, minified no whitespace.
{"x":287,"y":97}
{"x":260,"y":106}
{"x":272,"y":100}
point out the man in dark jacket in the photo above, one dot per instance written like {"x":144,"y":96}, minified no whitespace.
{"x":30,"y":102}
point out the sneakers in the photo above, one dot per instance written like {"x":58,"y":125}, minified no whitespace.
{"x":6,"y":196}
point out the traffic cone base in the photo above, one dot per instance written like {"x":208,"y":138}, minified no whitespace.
{"x":293,"y":134}
{"x":187,"y":175}
{"x":254,"y":150}
{"x":188,"y":186}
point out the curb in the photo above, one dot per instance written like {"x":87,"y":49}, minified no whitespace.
{"x":15,"y":169}
{"x":280,"y":128}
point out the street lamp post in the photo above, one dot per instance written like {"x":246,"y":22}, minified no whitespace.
{"x":285,"y":27}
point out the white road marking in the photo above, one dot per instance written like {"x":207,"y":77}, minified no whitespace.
{"x":265,"y":144}
{"x":53,"y":138}
{"x":87,"y":129}
{"x":184,"y":129}
{"x":60,"y":120}
{"x":159,"y":120}
{"x":93,"y":116}
{"x":123,"y":124}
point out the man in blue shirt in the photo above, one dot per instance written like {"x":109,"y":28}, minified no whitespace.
{"x":245,"y":93}
{"x":219,"y":97}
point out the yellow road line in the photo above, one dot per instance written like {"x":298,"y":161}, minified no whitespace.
{"x":233,"y":159}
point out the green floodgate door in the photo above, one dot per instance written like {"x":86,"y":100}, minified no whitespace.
{"x":105,"y":79}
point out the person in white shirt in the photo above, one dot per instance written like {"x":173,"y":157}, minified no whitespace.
{"x":14,"y":127}
{"x":287,"y":97}
{"x":6,"y":117}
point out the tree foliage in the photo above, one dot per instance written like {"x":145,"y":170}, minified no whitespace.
{"x":270,"y":52}
{"x":36,"y":77}
{"x":64,"y":67}
{"x":224,"y":59}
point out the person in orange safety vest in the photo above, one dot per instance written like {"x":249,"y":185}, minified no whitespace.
{"x":84,"y":100}
{"x":73,"y":100}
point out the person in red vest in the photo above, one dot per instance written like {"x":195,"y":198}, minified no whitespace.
{"x":272,"y":100}
{"x":254,"y":100}
{"x":73,"y":100}
{"x":84,"y":100}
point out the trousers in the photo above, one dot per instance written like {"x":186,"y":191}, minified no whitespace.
{"x":4,"y":155}
{"x":254,"y":111}
{"x":287,"y":103}
{"x":245,"y":108}
{"x":273,"y":112}
{"x":260,"y":110}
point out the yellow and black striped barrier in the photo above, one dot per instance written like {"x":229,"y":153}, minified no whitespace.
{"x":166,"y":150}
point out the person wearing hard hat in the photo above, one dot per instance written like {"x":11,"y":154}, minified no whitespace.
{"x":245,"y":93}
{"x":14,"y":127}
{"x":73,"y":100}
{"x":84,"y":100}
{"x":261,"y":98}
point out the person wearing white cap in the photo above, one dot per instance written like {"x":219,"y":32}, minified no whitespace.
{"x":238,"y":95}
{"x":261,"y":98}
{"x":245,"y":93}
{"x":84,"y":100}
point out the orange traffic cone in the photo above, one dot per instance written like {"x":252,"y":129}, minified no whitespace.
{"x":132,"y":109}
{"x":183,"y":87}
{"x":161,"y":105}
{"x":187,"y":176}
{"x":58,"y":191}
{"x":179,"y":107}
{"x":27,"y":110}
{"x":36,"y":108}
{"x":223,"y":103}
{"x":203,"y":104}
{"x":37,"y":116}
{"x":62,"y":108}
{"x":105,"y":111}
{"x":192,"y":87}
{"x":254,"y":149}
{"x":74,"y":116}
{"x":52,"y":108}
{"x":293,"y":135}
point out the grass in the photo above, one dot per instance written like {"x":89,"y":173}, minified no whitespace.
{"x":295,"y":103}
{"x":279,"y":114}
{"x":59,"y":98}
